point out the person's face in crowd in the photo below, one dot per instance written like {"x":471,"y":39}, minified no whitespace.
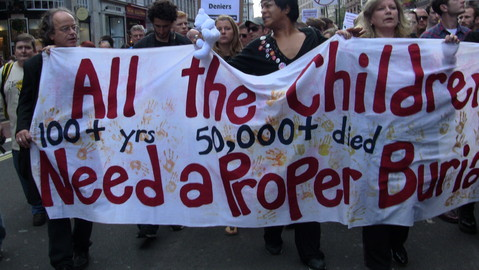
{"x":65,"y":30}
{"x":244,"y":37}
{"x":412,"y":20}
{"x":255,"y":31}
{"x":422,"y":18}
{"x":104,"y":44}
{"x":136,"y":36}
{"x":433,"y":17}
{"x":272,"y":14}
{"x":23,"y":51}
{"x":162,"y":29}
{"x":226,"y":31}
{"x":385,"y":17}
{"x":455,"y":7}
{"x":467,"y":18}
{"x":181,"y":26}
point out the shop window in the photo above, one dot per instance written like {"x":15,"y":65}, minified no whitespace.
{"x":34,"y":27}
{"x":4,"y":50}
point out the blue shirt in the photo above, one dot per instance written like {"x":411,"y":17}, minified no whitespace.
{"x":439,"y":31}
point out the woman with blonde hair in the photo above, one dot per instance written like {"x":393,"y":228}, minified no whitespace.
{"x":229,"y":43}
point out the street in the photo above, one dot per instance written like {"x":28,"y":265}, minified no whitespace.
{"x":432,"y":244}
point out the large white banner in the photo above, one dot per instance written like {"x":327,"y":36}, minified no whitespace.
{"x":360,"y":132}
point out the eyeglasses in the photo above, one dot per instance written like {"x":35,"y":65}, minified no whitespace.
{"x":66,"y":28}
{"x":243,"y":35}
{"x":424,"y":18}
{"x":253,"y":29}
{"x":138,"y":36}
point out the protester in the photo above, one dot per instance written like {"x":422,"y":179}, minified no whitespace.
{"x":382,"y":243}
{"x":256,"y":28}
{"x":412,"y":17}
{"x":105,"y":42}
{"x":470,"y":18}
{"x":162,"y":14}
{"x":422,"y":20}
{"x":448,"y":11}
{"x":229,"y":44}
{"x":286,"y":43}
{"x":432,"y":19}
{"x":244,"y":36}
{"x":137,"y":32}
{"x":68,"y":249}
{"x":181,"y":24}
{"x":10,"y":87}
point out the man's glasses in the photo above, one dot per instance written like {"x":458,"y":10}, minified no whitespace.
{"x":424,"y":18}
{"x":66,"y":28}
{"x":138,"y":36}
{"x":253,"y":29}
{"x":243,"y":35}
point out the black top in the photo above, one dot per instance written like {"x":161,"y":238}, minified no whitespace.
{"x":32,"y":70}
{"x":150,"y":41}
{"x":472,"y":37}
{"x":262,"y":55}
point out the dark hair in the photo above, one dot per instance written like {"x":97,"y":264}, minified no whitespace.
{"x":163,"y":10}
{"x":293,"y":14}
{"x":106,"y":38}
{"x":328,"y":21}
{"x":436,"y":5}
{"x":316,"y":23}
{"x":428,"y":9}
{"x":27,"y":38}
{"x":46,"y":25}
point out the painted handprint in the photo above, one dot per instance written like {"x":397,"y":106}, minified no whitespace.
{"x":85,"y":149}
{"x":275,"y":95}
{"x":277,"y":156}
{"x":325,"y":145}
{"x":462,"y":122}
{"x":459,"y":143}
{"x":170,"y":160}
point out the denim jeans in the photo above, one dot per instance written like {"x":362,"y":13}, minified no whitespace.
{"x":34,"y":201}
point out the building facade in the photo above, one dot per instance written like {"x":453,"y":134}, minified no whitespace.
{"x":96,"y":18}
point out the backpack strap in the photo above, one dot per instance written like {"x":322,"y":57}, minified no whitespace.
{"x":5,"y":73}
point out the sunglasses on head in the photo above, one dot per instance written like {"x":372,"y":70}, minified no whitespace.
{"x":253,"y":28}
{"x":422,"y":17}
{"x":243,"y":35}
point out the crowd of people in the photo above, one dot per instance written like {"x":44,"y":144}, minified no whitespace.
{"x":243,"y":46}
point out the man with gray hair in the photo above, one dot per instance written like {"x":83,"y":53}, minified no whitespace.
{"x":68,"y":249}
{"x":137,"y":32}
